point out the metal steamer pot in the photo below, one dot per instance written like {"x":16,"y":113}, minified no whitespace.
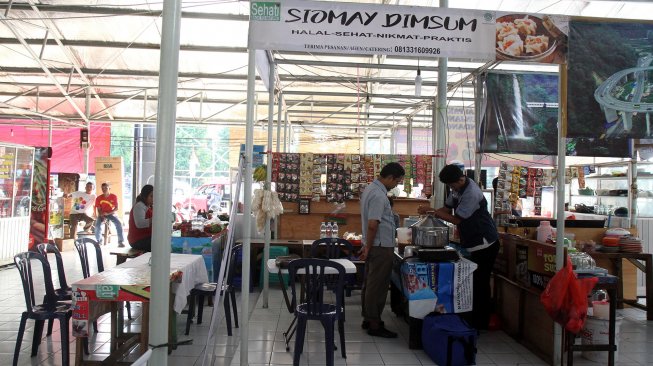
{"x":430,"y":232}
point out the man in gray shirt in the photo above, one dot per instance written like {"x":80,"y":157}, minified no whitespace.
{"x":379,"y":243}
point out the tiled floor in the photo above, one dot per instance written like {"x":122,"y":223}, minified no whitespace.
{"x":266,"y":346}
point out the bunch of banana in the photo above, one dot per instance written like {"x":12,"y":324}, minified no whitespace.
{"x":260,"y":173}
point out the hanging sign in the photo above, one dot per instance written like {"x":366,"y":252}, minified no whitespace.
{"x":352,"y":28}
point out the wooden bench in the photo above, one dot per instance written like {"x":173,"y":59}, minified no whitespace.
{"x":122,"y":254}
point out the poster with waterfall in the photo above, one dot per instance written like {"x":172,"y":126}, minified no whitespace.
{"x":610,"y":94}
{"x":521,"y":114}
{"x":521,"y":117}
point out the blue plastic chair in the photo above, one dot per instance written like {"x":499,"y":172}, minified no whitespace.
{"x":64,"y":292}
{"x":49,"y":309}
{"x":313,"y":306}
{"x":82,"y":249}
{"x":208,"y":289}
{"x":332,"y":248}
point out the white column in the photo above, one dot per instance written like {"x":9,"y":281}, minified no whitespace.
{"x":164,"y":171}
{"x":268,"y":178}
{"x":440,"y":126}
{"x":560,"y":195}
{"x":85,"y":148}
{"x":247,"y":198}
{"x":439,"y":123}
{"x":478,"y":98}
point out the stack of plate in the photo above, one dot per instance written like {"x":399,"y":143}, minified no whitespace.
{"x":610,"y":244}
{"x":630,"y":244}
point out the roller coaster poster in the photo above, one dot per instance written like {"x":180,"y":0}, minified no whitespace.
{"x":610,"y":92}
{"x":521,"y":116}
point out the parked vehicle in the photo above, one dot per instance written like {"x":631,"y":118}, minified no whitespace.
{"x":206,"y":197}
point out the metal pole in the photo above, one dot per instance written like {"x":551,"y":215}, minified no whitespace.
{"x":478,"y":97}
{"x":632,"y":205}
{"x":50,"y":133}
{"x":268,"y":179}
{"x":279,"y":104}
{"x":365,"y":123}
{"x":440,"y":125}
{"x":164,"y":171}
{"x":409,"y":137}
{"x":137,"y":159}
{"x":279,"y":116}
{"x":247,"y":198}
{"x":285,"y":134}
{"x":560,"y":203}
{"x":85,"y":148}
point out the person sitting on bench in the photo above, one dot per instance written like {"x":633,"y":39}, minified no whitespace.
{"x":139,"y":235}
{"x":82,"y":210}
{"x":107,"y":205}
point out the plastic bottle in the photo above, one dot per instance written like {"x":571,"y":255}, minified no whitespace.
{"x":334,"y":230}
{"x":185,"y":248}
{"x":322,"y":230}
{"x":544,"y":231}
{"x":329,"y":230}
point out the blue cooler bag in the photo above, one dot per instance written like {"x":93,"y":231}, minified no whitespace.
{"x":449,"y":340}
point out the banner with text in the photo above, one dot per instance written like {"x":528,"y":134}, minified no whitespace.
{"x":310,"y":26}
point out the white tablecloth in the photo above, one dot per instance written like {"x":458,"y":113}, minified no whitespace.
{"x":191,"y":265}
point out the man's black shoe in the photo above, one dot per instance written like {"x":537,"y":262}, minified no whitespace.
{"x":366,"y":324}
{"x":381,"y":332}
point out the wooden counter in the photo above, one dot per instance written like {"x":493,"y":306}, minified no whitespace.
{"x":295,"y":226}
{"x":522,"y":270}
{"x":626,"y":270}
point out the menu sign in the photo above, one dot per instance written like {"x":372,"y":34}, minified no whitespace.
{"x":7,"y":165}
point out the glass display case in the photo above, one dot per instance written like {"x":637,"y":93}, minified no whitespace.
{"x":16,"y":172}
{"x":16,"y":165}
{"x":644,"y":189}
{"x":606,"y":189}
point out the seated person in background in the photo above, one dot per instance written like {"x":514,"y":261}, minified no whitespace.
{"x":107,"y":205}
{"x":139,"y":235}
{"x":82,"y":210}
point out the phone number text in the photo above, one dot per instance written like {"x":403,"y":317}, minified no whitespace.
{"x":411,"y":49}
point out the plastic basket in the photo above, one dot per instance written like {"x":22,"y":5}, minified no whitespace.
{"x":275,"y":251}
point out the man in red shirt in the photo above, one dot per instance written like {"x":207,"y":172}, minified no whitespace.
{"x":106,"y":205}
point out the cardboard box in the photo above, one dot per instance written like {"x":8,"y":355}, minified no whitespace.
{"x":446,"y":284}
{"x":64,"y":244}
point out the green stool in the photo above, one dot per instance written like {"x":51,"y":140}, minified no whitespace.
{"x":275,"y":251}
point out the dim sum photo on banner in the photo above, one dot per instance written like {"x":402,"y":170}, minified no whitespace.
{"x":532,"y":38}
{"x":521,"y":117}
{"x":609,"y":88}
{"x":521,"y":114}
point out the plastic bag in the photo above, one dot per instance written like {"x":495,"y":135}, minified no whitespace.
{"x":565,"y":298}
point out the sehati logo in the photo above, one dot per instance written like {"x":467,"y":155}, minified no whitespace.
{"x":265,"y":11}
